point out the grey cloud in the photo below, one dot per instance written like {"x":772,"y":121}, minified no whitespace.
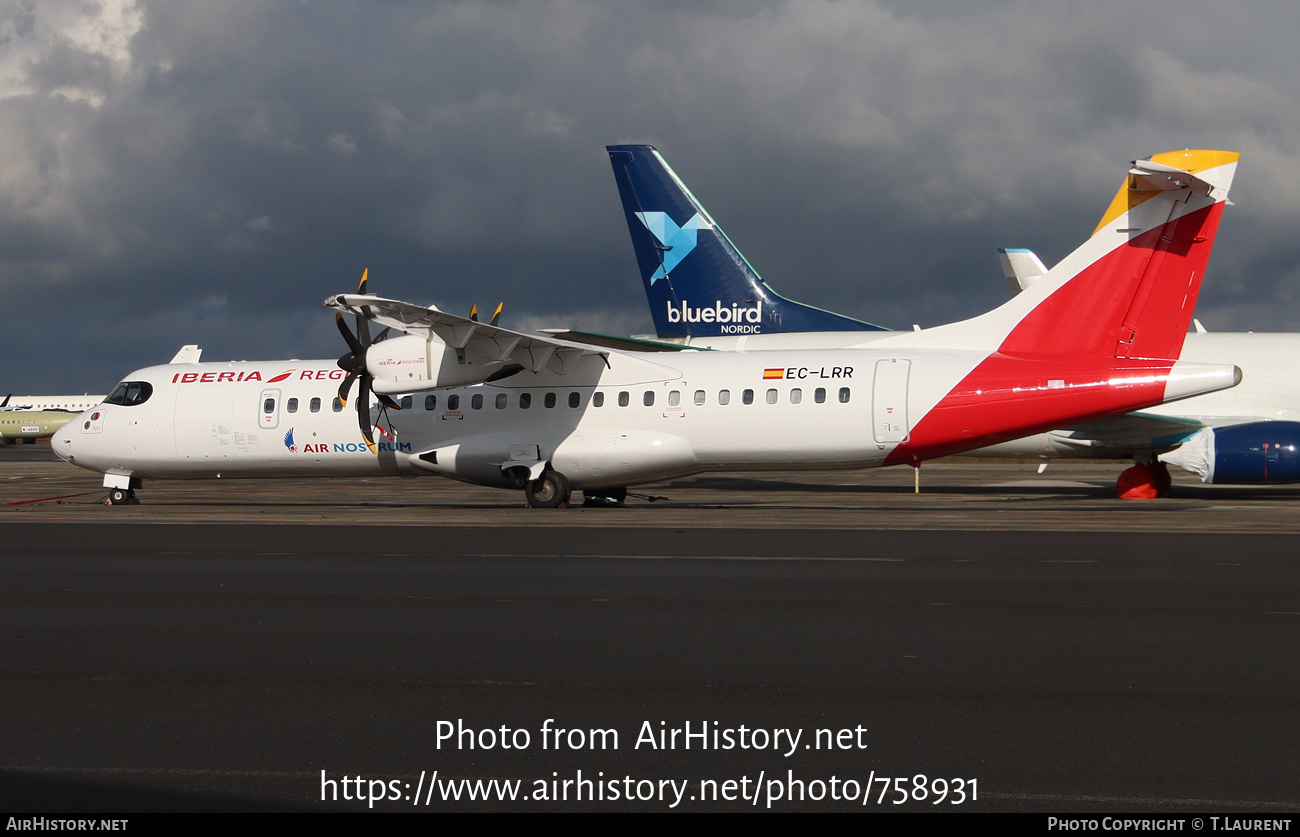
{"x":867,"y":157}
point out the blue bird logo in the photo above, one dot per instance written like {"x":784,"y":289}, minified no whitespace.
{"x":676,"y":243}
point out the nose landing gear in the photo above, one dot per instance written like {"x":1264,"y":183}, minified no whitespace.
{"x":121,"y":489}
{"x":122,"y":497}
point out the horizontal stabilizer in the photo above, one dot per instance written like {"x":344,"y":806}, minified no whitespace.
{"x":1150,"y":176}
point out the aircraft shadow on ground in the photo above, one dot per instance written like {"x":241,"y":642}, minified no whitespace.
{"x":742,"y":484}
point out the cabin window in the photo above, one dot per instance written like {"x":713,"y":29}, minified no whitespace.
{"x":674,"y":398}
{"x":724,"y":397}
{"x":476,"y":401}
{"x":771,"y":396}
{"x":648,"y":398}
{"x":291,"y":405}
{"x":796,"y":395}
{"x":747,"y":397}
{"x":502,"y":400}
{"x":844,"y":395}
{"x":699,"y":398}
{"x":453,"y":402}
{"x":548,"y":400}
{"x":819,"y":395}
{"x":525,"y":400}
{"x":130,"y":393}
{"x":268,"y":406}
{"x":337,"y":406}
{"x":598,"y":399}
{"x":624,"y":399}
{"x":407,"y":402}
{"x":314,"y":405}
{"x":430,"y":402}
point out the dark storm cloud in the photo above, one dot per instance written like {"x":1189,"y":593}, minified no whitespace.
{"x":207,"y":173}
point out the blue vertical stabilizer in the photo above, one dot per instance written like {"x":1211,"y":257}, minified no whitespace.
{"x":697,"y":282}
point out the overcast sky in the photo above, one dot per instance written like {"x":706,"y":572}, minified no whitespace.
{"x":208,"y":173}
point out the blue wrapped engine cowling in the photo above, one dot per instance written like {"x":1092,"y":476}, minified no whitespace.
{"x":1257,"y":453}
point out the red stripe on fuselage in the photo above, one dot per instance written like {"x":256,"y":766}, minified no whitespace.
{"x":1076,"y":356}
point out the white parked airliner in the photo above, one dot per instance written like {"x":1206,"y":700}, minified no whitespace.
{"x":1098,"y":335}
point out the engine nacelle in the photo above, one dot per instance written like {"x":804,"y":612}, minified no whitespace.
{"x":1257,"y":453}
{"x":587,"y":460}
{"x":408,"y":363}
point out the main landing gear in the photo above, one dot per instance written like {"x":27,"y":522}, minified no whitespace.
{"x":1144,"y":481}
{"x":552,"y":490}
{"x":122,"y":497}
{"x":549,"y":491}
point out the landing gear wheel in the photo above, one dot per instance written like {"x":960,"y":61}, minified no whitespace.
{"x":1144,"y":481}
{"x":122,"y":497}
{"x":549,"y":491}
{"x":1138,"y":483}
{"x":604,"y":496}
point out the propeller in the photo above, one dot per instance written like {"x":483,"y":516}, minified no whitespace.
{"x":354,"y":364}
{"x":496,"y":315}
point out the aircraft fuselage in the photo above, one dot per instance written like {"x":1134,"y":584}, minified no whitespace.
{"x":627,"y":422}
{"x":31,"y":425}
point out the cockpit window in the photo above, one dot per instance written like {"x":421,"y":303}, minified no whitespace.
{"x":130,"y":393}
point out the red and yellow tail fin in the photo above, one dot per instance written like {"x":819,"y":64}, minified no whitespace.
{"x":1130,"y":290}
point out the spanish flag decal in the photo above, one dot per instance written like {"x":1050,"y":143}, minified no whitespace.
{"x":768,"y":374}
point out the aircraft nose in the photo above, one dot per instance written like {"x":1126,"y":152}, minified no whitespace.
{"x":61,"y":441}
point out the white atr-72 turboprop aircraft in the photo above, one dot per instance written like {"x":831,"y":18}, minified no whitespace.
{"x":1098,"y":335}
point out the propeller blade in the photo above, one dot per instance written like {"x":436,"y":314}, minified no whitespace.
{"x":363,"y":331}
{"x":347,"y":385}
{"x":473,"y":313}
{"x":496,"y":315}
{"x":363,"y":414}
{"x":381,"y":336}
{"x":353,"y":343}
{"x":354,"y":363}
{"x":387,"y":402}
{"x":363,"y":325}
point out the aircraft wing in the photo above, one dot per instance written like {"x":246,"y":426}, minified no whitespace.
{"x":532,"y":351}
{"x":627,"y":344}
{"x":1136,"y":430}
